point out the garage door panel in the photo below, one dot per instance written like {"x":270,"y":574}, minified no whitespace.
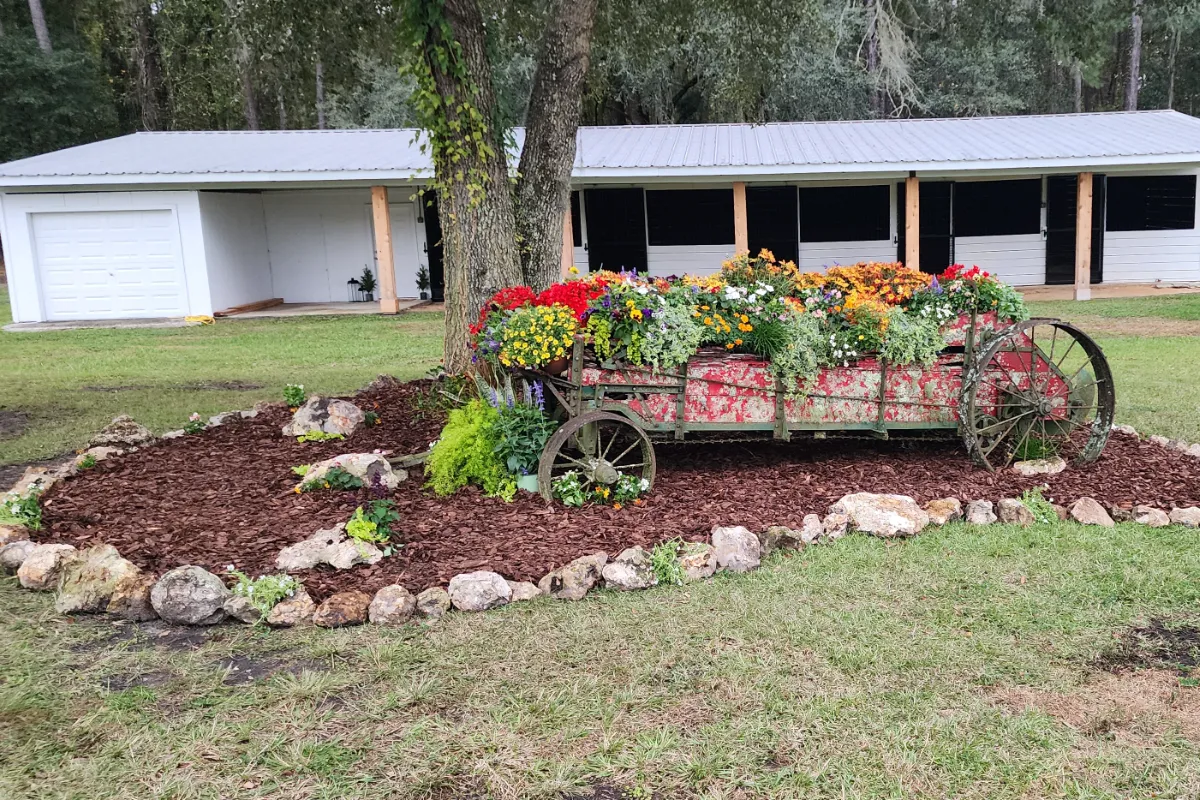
{"x":110,"y":264}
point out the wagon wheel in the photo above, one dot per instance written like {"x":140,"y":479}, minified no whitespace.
{"x":600,"y":447}
{"x":1040,"y":388}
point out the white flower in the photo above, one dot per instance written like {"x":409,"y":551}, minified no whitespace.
{"x":644,"y":484}
{"x":643,"y":290}
{"x":229,"y":567}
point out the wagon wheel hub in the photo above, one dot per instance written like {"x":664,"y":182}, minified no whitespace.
{"x":604,"y":472}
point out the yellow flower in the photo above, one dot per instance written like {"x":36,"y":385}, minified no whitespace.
{"x":708,"y":320}
{"x":745,"y":318}
{"x":729,"y":346}
{"x":737,"y":341}
{"x":573,"y":270}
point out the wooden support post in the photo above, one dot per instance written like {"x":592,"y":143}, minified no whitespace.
{"x":912,"y":221}
{"x":1083,"y":237}
{"x":568,"y":248}
{"x":741,"y":230}
{"x":388,"y":304}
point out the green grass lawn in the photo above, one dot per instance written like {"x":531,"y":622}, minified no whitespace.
{"x":1175,"y":306}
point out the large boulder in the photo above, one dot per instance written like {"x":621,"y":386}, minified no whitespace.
{"x":373,"y":469}
{"x":698,"y":560}
{"x":343,"y":609}
{"x":433,"y":603}
{"x":944,"y":511}
{"x":884,"y":515}
{"x":392,"y":605}
{"x":479,"y":591}
{"x":89,"y":579}
{"x":292,"y":611}
{"x":131,"y":598}
{"x":1012,"y":511}
{"x":122,"y":432}
{"x":189,"y":596}
{"x":574,"y":580}
{"x":43,"y":566}
{"x":327,"y":415}
{"x":1188,"y":517}
{"x":737,"y":549}
{"x":13,"y":555}
{"x":1087,"y":511}
{"x":630,"y":571}
{"x":1150,"y":516}
{"x":980,"y":512}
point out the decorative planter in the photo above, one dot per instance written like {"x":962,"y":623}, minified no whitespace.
{"x":557,"y":367}
{"x":424,"y":295}
{"x":529,"y":483}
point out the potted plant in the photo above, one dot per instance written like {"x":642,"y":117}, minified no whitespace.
{"x":423,"y":282}
{"x":523,"y":429}
{"x":366,"y":284}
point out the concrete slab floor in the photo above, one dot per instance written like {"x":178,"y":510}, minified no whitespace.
{"x":1108,"y":291}
{"x":317,"y":309}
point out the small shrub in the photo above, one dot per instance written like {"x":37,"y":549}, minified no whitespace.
{"x":1041,"y":508}
{"x":23,"y":510}
{"x":523,"y":431}
{"x":1035,"y":447}
{"x":319,"y":436}
{"x":335,"y":478}
{"x":293,"y":395}
{"x":374,"y":523}
{"x":466,"y":452}
{"x":87,"y":462}
{"x":301,"y":470}
{"x":265,"y":591}
{"x":911,"y":339}
{"x":371,"y":418}
{"x":664,"y":558}
{"x":194,"y":424}
{"x":569,"y":489}
{"x":366,"y":281}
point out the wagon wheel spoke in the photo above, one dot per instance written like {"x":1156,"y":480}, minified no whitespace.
{"x":624,"y":453}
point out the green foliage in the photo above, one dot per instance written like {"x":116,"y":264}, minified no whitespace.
{"x":380,"y":98}
{"x":569,"y":489}
{"x":293,"y":395}
{"x":1041,"y":508}
{"x":195,"y":424}
{"x":301,"y":469}
{"x":599,"y":328}
{"x":87,"y":462}
{"x":769,"y":337}
{"x":911,"y":339}
{"x":466,"y":452}
{"x":335,"y":478}
{"x":371,"y":418}
{"x":366,"y":281}
{"x":423,"y":278}
{"x":264,"y":592}
{"x":1033,"y":447}
{"x":50,"y":101}
{"x":671,"y":337}
{"x":319,"y":436}
{"x":523,"y":430}
{"x":22,"y":509}
{"x":373,"y":524}
{"x":799,"y":360}
{"x":664,"y":559}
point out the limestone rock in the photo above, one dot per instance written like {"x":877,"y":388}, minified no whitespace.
{"x":1179,"y":444}
{"x":392,"y":605}
{"x":89,"y":579}
{"x":123,"y":431}
{"x":327,"y":415}
{"x":1014,"y":512}
{"x":479,"y":591}
{"x":1161,"y":441}
{"x":1061,"y":512}
{"x":1128,"y":430}
{"x":241,"y":609}
{"x":13,"y":533}
{"x":944,"y":511}
{"x":737,"y":549}
{"x":1087,"y":511}
{"x":1040,"y":466}
{"x":1193,"y":450}
{"x":1188,"y":517}
{"x":217,"y":420}
{"x":630,"y":571}
{"x":349,"y":553}
{"x":189,"y":596}
{"x":1151,"y":516}
{"x":779,"y":537}
{"x":292,"y":611}
{"x":698,"y":559}
{"x":372,"y":469}
{"x":328,"y":546}
{"x":835,"y":526}
{"x":523,"y":590}
{"x":43,"y":566}
{"x":979,"y":512}
{"x":433,"y":603}
{"x":179,"y":434}
{"x":131,"y":598}
{"x":574,"y":580}
{"x":884,"y":515}
{"x":13,"y":554}
{"x":39,"y":479}
{"x":97,"y":454}
{"x":343,"y":609}
{"x":811,"y":529}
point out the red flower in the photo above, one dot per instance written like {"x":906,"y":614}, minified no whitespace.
{"x":575,"y":295}
{"x":506,"y":299}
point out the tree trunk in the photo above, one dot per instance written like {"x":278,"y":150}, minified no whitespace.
{"x":282,"y":109}
{"x":1135,"y":57}
{"x":1171,"y":71}
{"x":39,"y":25}
{"x":552,"y":119}
{"x":877,"y":102}
{"x":1077,"y":83}
{"x":250,"y":102}
{"x":148,"y":67}
{"x":475,"y":197}
{"x":320,"y":95}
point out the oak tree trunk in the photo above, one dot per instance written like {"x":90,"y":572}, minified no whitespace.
{"x":475,"y":199}
{"x":1077,"y":83}
{"x":40,"y":30}
{"x":543,"y":192}
{"x":1135,"y":57}
{"x":320,"y":95}
{"x":878,"y":104}
{"x":250,"y":102}
{"x":150,"y":87}
{"x":1171,"y":72}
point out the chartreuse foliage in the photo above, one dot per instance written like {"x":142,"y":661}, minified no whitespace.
{"x":467,"y":452}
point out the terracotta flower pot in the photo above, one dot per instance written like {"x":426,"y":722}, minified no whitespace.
{"x":557,"y":367}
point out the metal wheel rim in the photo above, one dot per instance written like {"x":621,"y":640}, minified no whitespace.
{"x":640,"y":454}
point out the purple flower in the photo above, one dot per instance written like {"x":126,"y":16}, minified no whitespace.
{"x":647,"y":312}
{"x":937,"y":287}
{"x":539,"y":396}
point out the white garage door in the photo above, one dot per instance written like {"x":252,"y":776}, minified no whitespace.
{"x":109,"y":264}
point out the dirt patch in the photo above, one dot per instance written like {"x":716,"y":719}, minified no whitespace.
{"x":119,"y":683}
{"x":12,"y":423}
{"x":1161,"y":644}
{"x":150,"y":634}
{"x":243,"y":670}
{"x":201,"y":386}
{"x":225,"y":497}
{"x":1137,"y":708}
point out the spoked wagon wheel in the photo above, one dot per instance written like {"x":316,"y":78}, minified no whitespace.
{"x":600,"y":447}
{"x":1041,"y":388}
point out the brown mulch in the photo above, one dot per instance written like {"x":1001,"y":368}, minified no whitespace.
{"x":225,"y":497}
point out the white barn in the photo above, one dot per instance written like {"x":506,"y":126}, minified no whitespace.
{"x":166,"y":225}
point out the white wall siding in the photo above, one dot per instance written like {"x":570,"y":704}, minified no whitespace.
{"x":816,"y":256}
{"x":1148,"y":256}
{"x":235,"y":248}
{"x":1018,"y":259}
{"x":25,"y":296}
{"x":700,"y":259}
{"x":580,"y":259}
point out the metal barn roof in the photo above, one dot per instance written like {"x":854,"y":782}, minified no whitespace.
{"x":779,"y":151}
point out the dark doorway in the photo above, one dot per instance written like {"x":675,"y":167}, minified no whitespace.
{"x":772,"y":221}
{"x":937,"y":230}
{"x":1060,"y":228}
{"x":616,"y":229}
{"x":433,"y":248}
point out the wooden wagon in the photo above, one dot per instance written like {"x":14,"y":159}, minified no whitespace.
{"x":1010,"y":390}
